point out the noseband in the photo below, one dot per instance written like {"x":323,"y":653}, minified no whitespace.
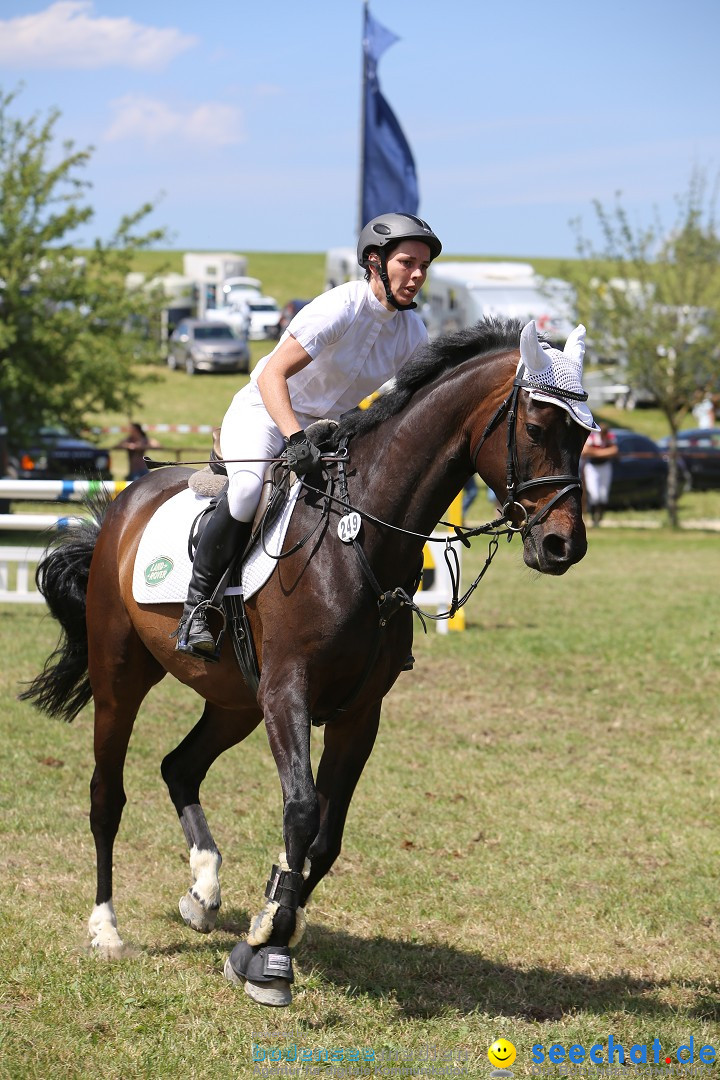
{"x":515,"y":488}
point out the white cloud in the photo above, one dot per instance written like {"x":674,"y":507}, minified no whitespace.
{"x":210,"y":124}
{"x":68,"y":35}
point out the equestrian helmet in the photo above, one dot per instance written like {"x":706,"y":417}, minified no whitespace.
{"x":389,"y":229}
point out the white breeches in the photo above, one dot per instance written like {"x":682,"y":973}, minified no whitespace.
{"x":249,"y":432}
{"x":597,"y":479}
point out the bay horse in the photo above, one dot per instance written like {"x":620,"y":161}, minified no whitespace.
{"x":461,"y":407}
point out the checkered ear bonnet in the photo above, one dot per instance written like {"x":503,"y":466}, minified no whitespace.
{"x":554,"y":376}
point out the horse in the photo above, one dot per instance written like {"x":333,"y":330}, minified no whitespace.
{"x":318,"y":623}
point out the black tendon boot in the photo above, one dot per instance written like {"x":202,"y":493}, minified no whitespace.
{"x":220,"y":541}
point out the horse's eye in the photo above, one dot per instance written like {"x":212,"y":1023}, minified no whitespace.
{"x":535,"y":432}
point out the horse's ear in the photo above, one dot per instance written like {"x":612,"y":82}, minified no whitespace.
{"x":531,"y":351}
{"x":575,"y":345}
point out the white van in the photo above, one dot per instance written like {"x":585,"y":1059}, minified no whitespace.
{"x":458,"y":294}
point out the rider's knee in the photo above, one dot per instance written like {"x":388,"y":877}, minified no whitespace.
{"x":243,"y":496}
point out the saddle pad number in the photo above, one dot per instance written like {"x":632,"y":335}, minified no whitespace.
{"x":349,"y":527}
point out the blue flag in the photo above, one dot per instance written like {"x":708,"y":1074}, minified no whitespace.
{"x":389,"y":181}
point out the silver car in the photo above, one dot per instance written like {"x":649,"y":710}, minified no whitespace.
{"x":205,"y":345}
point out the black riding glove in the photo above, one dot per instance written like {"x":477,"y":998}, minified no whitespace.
{"x":301,"y":456}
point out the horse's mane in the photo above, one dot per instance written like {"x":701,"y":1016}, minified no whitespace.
{"x":437,"y":357}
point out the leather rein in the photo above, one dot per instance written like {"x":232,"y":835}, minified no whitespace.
{"x":515,"y":488}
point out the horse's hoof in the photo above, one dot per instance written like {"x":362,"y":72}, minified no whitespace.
{"x":276,"y":994}
{"x":195,"y":915}
{"x":108,"y":948}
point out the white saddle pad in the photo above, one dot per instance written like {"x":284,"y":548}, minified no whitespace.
{"x":162,"y":570}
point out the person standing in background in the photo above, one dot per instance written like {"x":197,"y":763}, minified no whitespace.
{"x":596,"y":461}
{"x":136,"y":442}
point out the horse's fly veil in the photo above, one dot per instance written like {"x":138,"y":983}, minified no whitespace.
{"x":548,"y":369}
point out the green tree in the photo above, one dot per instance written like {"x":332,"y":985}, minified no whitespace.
{"x":72,"y":335}
{"x":650,"y":296}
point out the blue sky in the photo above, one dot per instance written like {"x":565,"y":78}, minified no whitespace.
{"x":244,"y":117}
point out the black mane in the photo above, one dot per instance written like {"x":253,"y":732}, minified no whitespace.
{"x":488,"y":335}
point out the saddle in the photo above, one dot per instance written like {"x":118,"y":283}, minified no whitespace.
{"x":211,"y":482}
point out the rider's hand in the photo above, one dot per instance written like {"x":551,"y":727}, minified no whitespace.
{"x":301,"y":456}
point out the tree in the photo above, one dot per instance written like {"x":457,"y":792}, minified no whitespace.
{"x":651,"y":298}
{"x":72,"y":335}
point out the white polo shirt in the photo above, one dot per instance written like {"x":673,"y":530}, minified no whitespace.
{"x":356,"y":345}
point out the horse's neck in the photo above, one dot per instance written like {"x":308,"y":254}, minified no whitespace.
{"x":413,"y":465}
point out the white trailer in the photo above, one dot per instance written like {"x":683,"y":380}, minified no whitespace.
{"x":341,"y":265}
{"x":209,"y":271}
{"x":458,"y":294}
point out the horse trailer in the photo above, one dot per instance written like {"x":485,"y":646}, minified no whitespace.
{"x":459,"y":294}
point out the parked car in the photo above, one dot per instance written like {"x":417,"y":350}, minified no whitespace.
{"x":264,"y":317}
{"x":207,"y":345}
{"x":700,"y":452}
{"x":639,"y":472}
{"x":53,"y":453}
{"x":288,"y":313}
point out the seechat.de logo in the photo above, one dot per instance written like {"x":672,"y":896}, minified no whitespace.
{"x":501,"y":1054}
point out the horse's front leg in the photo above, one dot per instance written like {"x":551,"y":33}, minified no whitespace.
{"x":348,"y":745}
{"x":263,"y":962}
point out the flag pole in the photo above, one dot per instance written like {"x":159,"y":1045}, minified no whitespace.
{"x":363,"y":121}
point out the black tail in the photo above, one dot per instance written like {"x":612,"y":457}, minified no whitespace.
{"x":62,"y":688}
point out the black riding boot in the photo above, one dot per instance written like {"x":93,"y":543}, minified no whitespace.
{"x":220,"y":541}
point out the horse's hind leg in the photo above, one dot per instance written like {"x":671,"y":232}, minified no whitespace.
{"x":184,"y":771}
{"x":121,"y":676}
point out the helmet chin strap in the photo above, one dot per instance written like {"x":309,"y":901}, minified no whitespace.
{"x":383,"y":275}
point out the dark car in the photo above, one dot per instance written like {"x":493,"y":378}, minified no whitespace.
{"x":288,"y":313}
{"x":700,"y":452}
{"x":57,"y":454}
{"x":639,"y":472}
{"x":207,"y":345}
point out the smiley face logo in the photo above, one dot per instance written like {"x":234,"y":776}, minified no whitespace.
{"x":501,"y":1054}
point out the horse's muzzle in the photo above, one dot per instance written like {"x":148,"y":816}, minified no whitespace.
{"x":552,"y":550}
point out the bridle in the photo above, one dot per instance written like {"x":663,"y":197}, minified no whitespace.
{"x":515,"y":488}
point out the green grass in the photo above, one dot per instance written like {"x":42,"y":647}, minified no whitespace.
{"x":532,"y":851}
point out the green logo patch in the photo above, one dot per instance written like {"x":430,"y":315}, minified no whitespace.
{"x":158,"y":570}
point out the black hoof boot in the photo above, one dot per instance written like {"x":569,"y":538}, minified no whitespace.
{"x":265,"y":970}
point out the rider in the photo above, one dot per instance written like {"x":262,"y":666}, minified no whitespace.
{"x":337,"y":349}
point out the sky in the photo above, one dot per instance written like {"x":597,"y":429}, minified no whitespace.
{"x":242,"y":120}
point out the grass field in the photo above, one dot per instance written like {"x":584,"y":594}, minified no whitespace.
{"x":532,"y":852}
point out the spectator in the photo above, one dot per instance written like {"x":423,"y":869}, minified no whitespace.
{"x":704,"y":411}
{"x":136,"y":442}
{"x":597,"y":457}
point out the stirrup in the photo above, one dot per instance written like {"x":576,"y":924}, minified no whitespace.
{"x":409,"y":663}
{"x":183,"y":645}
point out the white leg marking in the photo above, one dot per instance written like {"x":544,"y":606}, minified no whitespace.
{"x":102,"y":928}
{"x":205,"y":868}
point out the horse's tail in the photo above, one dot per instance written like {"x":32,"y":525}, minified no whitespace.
{"x":62,"y":688}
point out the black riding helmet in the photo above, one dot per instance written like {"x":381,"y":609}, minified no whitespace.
{"x":384,"y":233}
